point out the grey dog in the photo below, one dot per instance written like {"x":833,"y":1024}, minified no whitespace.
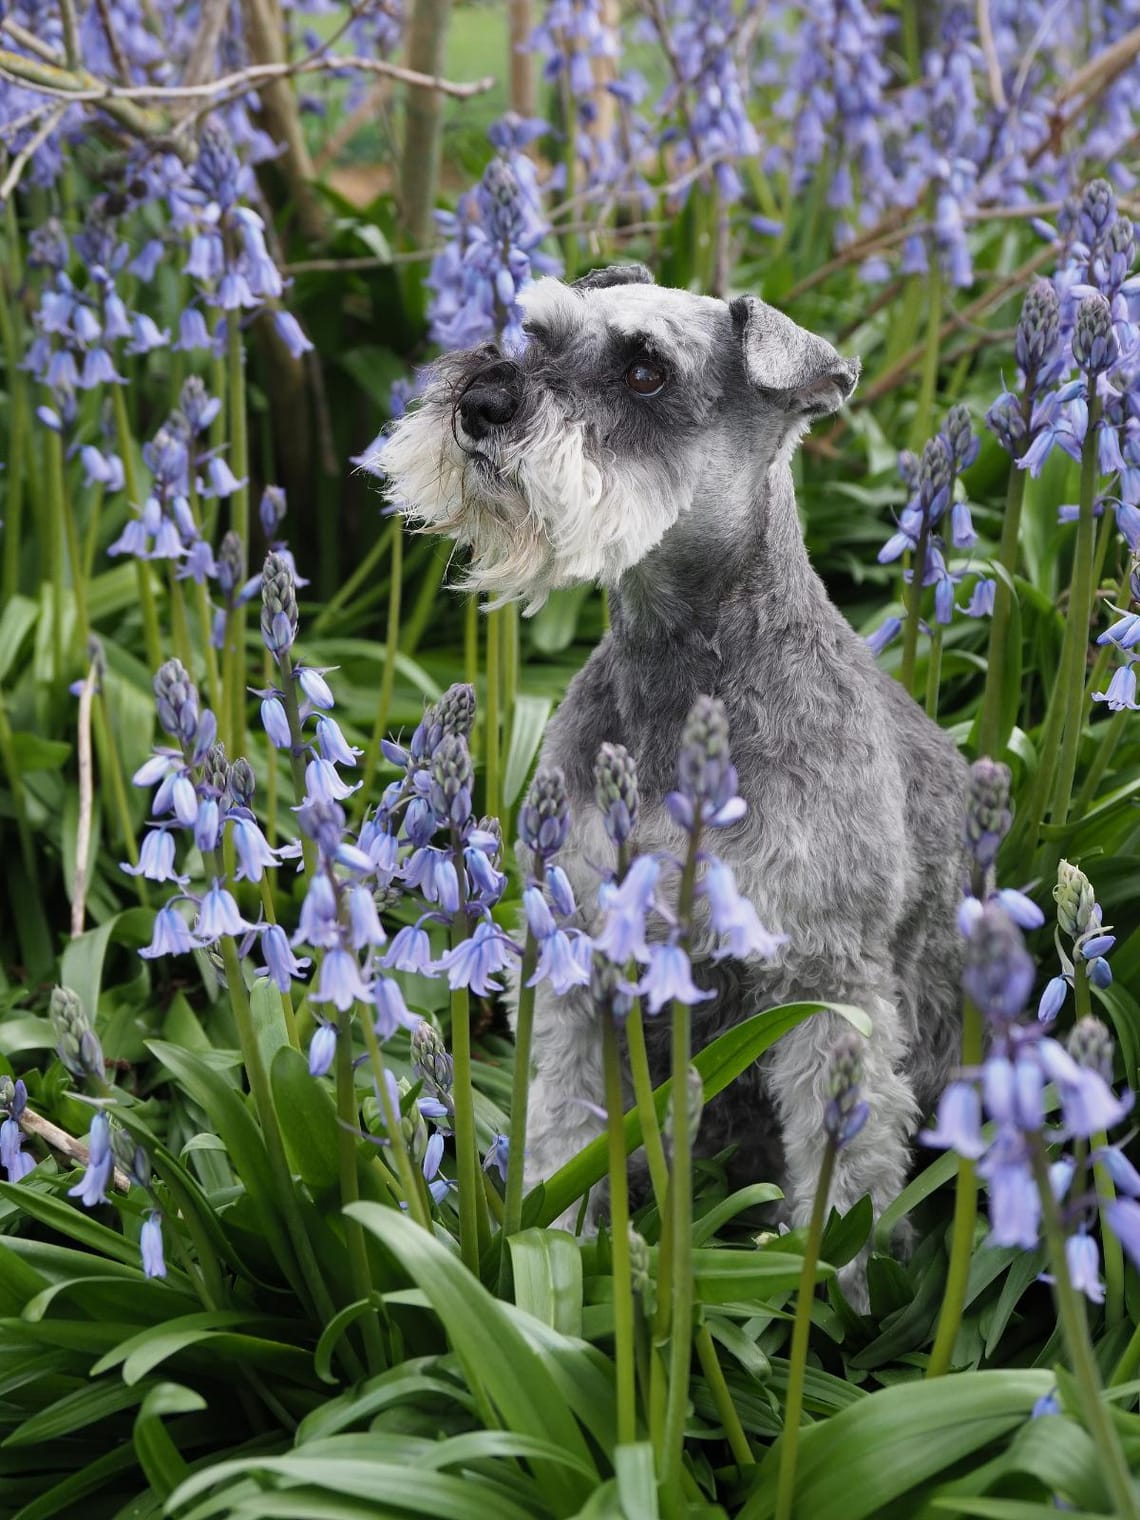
{"x":643,"y":439}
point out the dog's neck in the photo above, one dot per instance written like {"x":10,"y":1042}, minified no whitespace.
{"x":711,"y":601}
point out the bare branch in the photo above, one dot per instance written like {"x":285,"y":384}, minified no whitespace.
{"x":122,"y":67}
{"x":200,"y":64}
{"x":989,"y":53}
{"x":70,"y":33}
{"x":20,"y":161}
{"x":67,"y":1145}
{"x":29,"y":40}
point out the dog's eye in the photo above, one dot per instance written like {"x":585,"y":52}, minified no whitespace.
{"x":645,"y":378}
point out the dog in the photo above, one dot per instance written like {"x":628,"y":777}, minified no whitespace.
{"x":643,"y":439}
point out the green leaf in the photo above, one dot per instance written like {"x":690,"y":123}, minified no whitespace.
{"x":547,"y":1268}
{"x":141,"y":1353}
{"x":331,"y":1334}
{"x":74,"y":1411}
{"x":854,"y":1465}
{"x":845,"y":1237}
{"x":158,"y":1456}
{"x":62,"y":1497}
{"x":33,"y":753}
{"x":16,"y":622}
{"x":514,"y":1383}
{"x":528,"y":724}
{"x":71,"y":1222}
{"x":719,"y":1063}
{"x":752,"y":1197}
{"x":308,"y":1121}
{"x":552,"y":629}
{"x":636,"y":1480}
{"x":723,"y":1276}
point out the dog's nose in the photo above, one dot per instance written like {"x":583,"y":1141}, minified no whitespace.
{"x":486,"y":405}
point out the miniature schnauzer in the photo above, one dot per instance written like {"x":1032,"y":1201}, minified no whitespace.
{"x":643,"y":439}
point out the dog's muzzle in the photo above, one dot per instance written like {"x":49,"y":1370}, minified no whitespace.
{"x":491,"y":400}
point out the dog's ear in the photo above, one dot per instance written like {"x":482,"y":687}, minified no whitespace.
{"x":614,"y":274}
{"x":801,"y":370}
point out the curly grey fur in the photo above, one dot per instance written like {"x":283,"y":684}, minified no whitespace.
{"x":851,"y":846}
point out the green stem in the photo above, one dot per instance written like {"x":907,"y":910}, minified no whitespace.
{"x":349,"y":1117}
{"x":53,"y":443}
{"x":424,"y":605}
{"x":112,"y":770}
{"x":1074,"y":1324}
{"x":914,"y":609}
{"x":180,"y":627}
{"x":415,"y":1195}
{"x":16,"y":790}
{"x":361,"y":576}
{"x":269,"y":676}
{"x":722,"y":1398}
{"x":152,"y":638}
{"x":270,"y":909}
{"x":492,"y":799}
{"x":928,"y":382}
{"x":520,"y":1093}
{"x":472,"y":1205}
{"x":934,"y":673}
{"x":19,"y":432}
{"x":509,"y":680}
{"x":625,"y":1366}
{"x":646,"y":1108}
{"x":388,"y":670}
{"x":993,"y":699}
{"x":1080,"y":611}
{"x":239,"y":520}
{"x":1106,"y":748}
{"x":296,"y":749}
{"x":965,"y":1219}
{"x":471,"y":639}
{"x":801,"y":1330}
{"x":91,"y":536}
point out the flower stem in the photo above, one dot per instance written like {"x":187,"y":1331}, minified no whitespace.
{"x":646,"y":1108}
{"x":179,"y":624}
{"x":801,"y":1330}
{"x":722,"y":1398}
{"x":152,"y":638}
{"x":626,"y":1387}
{"x":239,"y":521}
{"x":934,"y":673}
{"x":297,"y":748}
{"x":473,"y":1226}
{"x":414,"y":1193}
{"x":1072,"y":694}
{"x":363,"y":573}
{"x":914,"y":608}
{"x":388,"y":671}
{"x":965,"y":1218}
{"x":520,"y":1093}
{"x":1074,"y":1324}
{"x":54,"y":535}
{"x":493,"y":670}
{"x":928,"y":382}
{"x":349,"y":1117}
{"x":18,"y":437}
{"x":989,"y":728}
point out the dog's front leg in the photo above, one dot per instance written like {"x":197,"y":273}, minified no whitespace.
{"x":567,"y":1087}
{"x":875,"y":1160}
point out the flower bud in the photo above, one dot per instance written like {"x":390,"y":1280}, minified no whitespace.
{"x":431,"y":1062}
{"x":1006,"y":421}
{"x":47,"y":245}
{"x":1094,"y":342}
{"x":278,"y":604}
{"x":846,"y":1113}
{"x":451,"y":780}
{"x":615,"y":790}
{"x":987,"y":809}
{"x":176,"y":698}
{"x":1075,"y":900}
{"x":1090,"y":1044}
{"x":271,"y":510}
{"x":76,"y":1043}
{"x":544,"y":820}
{"x":215,"y":170}
{"x":958,"y":433}
{"x":694,"y":1103}
{"x":415,"y":1133}
{"x":639,"y":1260}
{"x":1097,"y":211}
{"x":216,"y":769}
{"x":231,"y":563}
{"x":704,"y":758}
{"x":607,"y":990}
{"x":242,"y":782}
{"x":1119,"y":251}
{"x":197,"y":405}
{"x":130,"y":1156}
{"x":934,"y":475}
{"x":998,"y":971}
{"x":1038,"y":328}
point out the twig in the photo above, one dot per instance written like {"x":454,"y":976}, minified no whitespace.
{"x":203,"y":51}
{"x":29,"y":40}
{"x":122,"y":67}
{"x":70,"y":33}
{"x":67,"y":1145}
{"x":1102,"y":69}
{"x":989,"y":53}
{"x":86,"y":802}
{"x":20,"y":162}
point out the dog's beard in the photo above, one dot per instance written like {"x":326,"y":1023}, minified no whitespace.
{"x":531,"y":505}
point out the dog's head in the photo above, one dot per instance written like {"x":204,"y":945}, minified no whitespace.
{"x":630,"y":409}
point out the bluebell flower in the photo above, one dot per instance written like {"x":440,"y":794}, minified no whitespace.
{"x":998,"y":972}
{"x":322,"y":1050}
{"x":561,"y":892}
{"x":544,"y":820}
{"x":281,"y":965}
{"x":289,"y":331}
{"x":981,"y":603}
{"x":497,"y":1156}
{"x":252,"y":848}
{"x":474,"y":961}
{"x":364,"y":927}
{"x":488,"y":883}
{"x":623,"y":934}
{"x":410,"y":950}
{"x":391,"y":1010}
{"x":91,"y":1189}
{"x":1048,"y":1403}
{"x":958,"y":1126}
{"x":323,"y":784}
{"x":1124,"y":633}
{"x":1088,"y":1104}
{"x":218,"y":914}
{"x":433,"y":1155}
{"x":563,"y":961}
{"x":339,"y":981}
{"x":16,"y":1162}
{"x":846,"y":1112}
{"x":315,"y":687}
{"x":1121,"y":693}
{"x":1023,"y":910}
{"x":734,"y":918}
{"x":332,"y":744}
{"x":616,"y":791}
{"x":170,"y":935}
{"x":156,"y":858}
{"x":1014,"y":1203}
{"x":669,"y":978}
{"x":1123,"y":1218}
{"x":1053,"y":999}
{"x":886,"y":633}
{"x":1100,"y":973}
{"x":150,"y":1246}
{"x":1082,"y":1257}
